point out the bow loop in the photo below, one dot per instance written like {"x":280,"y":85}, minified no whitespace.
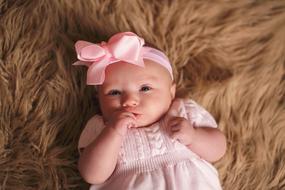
{"x":87,"y":51}
{"x":126,"y":46}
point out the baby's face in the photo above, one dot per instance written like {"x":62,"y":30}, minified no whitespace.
{"x":146,"y":92}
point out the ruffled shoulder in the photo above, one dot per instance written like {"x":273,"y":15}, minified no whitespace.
{"x":91,"y":131}
{"x":198,"y":115}
{"x":192,"y":111}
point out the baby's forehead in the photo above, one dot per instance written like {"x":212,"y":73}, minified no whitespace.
{"x":126,"y":73}
{"x":133,"y":78}
{"x":151,"y":69}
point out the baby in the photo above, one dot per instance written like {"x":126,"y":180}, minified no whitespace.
{"x":145,"y":138}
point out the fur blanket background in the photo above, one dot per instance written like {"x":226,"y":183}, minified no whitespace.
{"x":229,"y":57}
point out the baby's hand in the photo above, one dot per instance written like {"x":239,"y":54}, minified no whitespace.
{"x":181,"y":130}
{"x":121,"y":121}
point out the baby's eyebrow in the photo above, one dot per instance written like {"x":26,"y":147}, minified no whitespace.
{"x":107,"y":89}
{"x":110,"y":89}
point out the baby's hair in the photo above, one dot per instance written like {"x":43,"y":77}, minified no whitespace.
{"x":95,"y":99}
{"x":148,"y":44}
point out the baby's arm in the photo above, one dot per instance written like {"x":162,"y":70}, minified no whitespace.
{"x":98,"y":160}
{"x":207,"y":142}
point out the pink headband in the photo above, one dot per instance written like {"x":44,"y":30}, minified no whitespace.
{"x":124,"y":46}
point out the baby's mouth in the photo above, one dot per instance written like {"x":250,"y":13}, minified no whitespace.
{"x":137,"y":115}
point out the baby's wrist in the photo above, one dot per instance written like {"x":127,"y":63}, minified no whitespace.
{"x":119,"y":130}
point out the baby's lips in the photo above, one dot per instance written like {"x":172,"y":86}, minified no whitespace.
{"x":135,"y":115}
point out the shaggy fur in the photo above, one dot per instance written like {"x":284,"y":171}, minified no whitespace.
{"x":228,"y":56}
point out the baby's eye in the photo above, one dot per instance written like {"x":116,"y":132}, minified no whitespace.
{"x":114,"y":93}
{"x":145,"y":88}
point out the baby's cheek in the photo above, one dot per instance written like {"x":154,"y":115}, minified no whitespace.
{"x":109,"y":104}
{"x":158,"y":109}
{"x":107,"y":112}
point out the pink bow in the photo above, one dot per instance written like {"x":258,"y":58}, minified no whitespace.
{"x":124,"y":46}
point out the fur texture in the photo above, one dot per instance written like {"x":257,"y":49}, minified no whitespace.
{"x":228,"y":56}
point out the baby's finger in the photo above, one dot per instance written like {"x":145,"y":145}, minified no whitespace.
{"x":176,"y":135}
{"x":174,"y":121}
{"x":131,"y":115}
{"x":175,"y":128}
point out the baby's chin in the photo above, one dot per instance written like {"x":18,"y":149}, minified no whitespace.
{"x":146,"y":120}
{"x":142,"y":124}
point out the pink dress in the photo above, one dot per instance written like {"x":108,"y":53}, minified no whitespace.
{"x":150,"y":159}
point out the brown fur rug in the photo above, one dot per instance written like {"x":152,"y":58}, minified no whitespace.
{"x":228,"y":56}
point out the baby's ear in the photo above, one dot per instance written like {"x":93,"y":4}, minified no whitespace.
{"x":173,"y":90}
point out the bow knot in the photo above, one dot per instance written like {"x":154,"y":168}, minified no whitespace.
{"x":125,"y":46}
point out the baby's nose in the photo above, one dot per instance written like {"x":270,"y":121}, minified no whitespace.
{"x":130,"y":101}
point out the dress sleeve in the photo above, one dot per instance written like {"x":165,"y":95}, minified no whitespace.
{"x":90,"y":132}
{"x":198,"y":115}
